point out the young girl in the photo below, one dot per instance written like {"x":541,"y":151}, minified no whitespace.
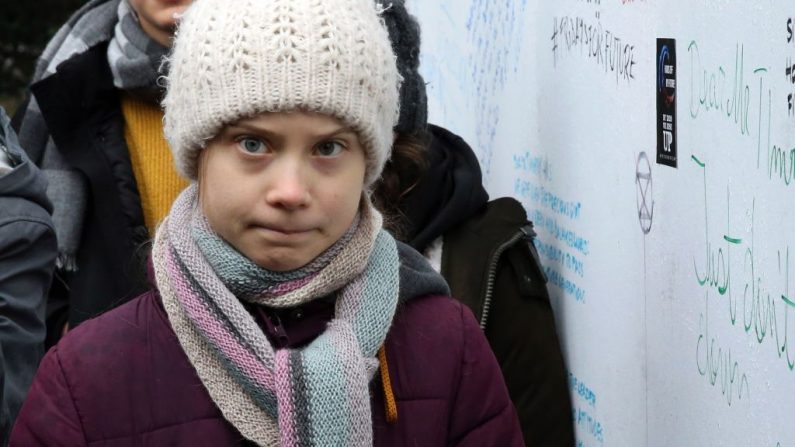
{"x":283,"y":314}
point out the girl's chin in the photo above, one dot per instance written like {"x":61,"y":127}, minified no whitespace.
{"x":281,"y":260}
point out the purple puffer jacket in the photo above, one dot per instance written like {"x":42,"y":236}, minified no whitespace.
{"x":122,"y":379}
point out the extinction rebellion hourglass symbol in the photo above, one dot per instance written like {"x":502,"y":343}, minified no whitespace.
{"x":644,"y":192}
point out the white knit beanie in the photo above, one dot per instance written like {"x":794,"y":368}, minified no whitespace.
{"x":234,"y":59}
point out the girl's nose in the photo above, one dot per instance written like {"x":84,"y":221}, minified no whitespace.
{"x":288,"y":186}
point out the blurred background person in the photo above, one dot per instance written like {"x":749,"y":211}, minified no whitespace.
{"x":93,"y":124}
{"x":434,"y":199}
{"x":27,"y":260}
{"x":25,"y":29}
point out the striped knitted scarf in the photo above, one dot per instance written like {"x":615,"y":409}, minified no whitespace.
{"x":314,"y":396}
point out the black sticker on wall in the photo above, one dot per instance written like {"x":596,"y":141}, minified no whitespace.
{"x":666,"y":102}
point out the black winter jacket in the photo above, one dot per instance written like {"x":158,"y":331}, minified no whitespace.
{"x":491,"y":264}
{"x":82,"y":109}
{"x":27,"y":259}
{"x":492,"y":267}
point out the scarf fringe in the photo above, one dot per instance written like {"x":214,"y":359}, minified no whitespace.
{"x":66,"y":262}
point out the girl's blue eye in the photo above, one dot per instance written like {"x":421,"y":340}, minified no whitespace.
{"x":252,"y":145}
{"x":330,"y":149}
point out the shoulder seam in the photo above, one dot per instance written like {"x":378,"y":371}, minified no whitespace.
{"x":72,"y":397}
{"x":462,"y":351}
{"x":25,"y":219}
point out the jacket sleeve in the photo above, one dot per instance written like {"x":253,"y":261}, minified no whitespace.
{"x":49,"y":416}
{"x":524,"y":338}
{"x":27,"y":260}
{"x":27,"y":256}
{"x":483,"y":414}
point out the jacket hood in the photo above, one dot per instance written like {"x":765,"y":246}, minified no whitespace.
{"x":450,"y":191}
{"x":417,"y":277}
{"x":25,"y":180}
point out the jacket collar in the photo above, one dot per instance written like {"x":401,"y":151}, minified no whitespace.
{"x":24,"y":180}
{"x":77,"y":95}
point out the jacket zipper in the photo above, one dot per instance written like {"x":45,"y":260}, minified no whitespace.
{"x":484,"y":314}
{"x":275,"y":326}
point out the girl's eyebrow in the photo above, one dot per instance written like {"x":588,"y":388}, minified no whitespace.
{"x":340,"y":131}
{"x":259,"y":130}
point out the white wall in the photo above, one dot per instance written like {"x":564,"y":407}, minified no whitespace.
{"x":559,"y":119}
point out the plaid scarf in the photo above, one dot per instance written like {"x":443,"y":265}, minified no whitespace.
{"x":314,"y":396}
{"x":134,"y":59}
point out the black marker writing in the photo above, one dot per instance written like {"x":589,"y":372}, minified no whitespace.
{"x":600,"y":45}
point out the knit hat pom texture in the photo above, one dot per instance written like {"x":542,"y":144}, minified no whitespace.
{"x":236,"y":59}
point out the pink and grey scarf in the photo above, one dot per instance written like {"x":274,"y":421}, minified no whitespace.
{"x":314,"y":396}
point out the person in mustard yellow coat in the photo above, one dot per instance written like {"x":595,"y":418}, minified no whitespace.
{"x":93,"y":124}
